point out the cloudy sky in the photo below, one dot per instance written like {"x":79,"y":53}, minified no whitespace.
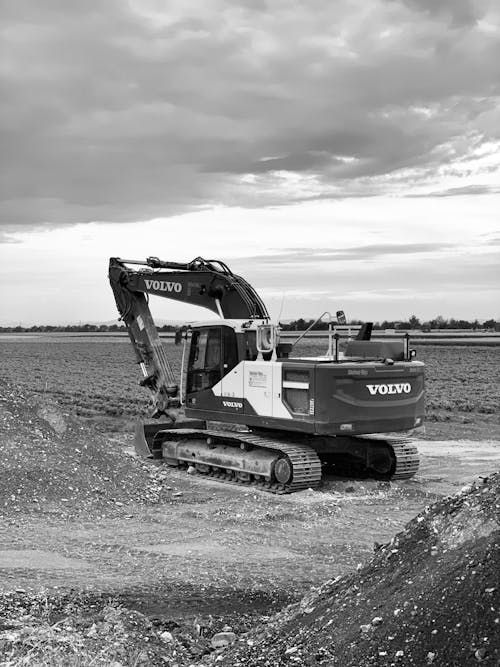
{"x":337,"y":154}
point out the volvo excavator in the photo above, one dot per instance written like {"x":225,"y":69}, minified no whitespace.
{"x":243,"y":410}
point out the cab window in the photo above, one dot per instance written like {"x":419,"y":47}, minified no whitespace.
{"x":213,"y":353}
{"x":204,"y":365}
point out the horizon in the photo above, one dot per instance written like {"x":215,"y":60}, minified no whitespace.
{"x":172,"y":322}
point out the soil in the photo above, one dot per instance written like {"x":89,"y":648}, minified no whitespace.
{"x":81,"y":515}
{"x":431,"y":595}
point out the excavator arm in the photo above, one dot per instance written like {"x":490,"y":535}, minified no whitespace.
{"x":206,"y":283}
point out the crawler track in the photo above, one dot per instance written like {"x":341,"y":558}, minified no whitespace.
{"x":300,"y":462}
{"x":303,"y":460}
{"x":407,"y":459}
{"x":403,"y":452}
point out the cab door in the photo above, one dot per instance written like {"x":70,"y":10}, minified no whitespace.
{"x":232,"y":371}
{"x":205,"y":359}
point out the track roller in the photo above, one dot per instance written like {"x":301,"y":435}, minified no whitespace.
{"x":244,"y":458}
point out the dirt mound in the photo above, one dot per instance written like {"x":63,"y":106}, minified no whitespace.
{"x":430,"y":596}
{"x":53,"y":463}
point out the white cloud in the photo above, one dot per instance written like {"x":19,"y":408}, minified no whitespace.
{"x":380,"y":257}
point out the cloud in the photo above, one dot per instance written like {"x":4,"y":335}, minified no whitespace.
{"x":366,"y":252}
{"x":125,"y":111}
{"x":466,"y":190}
{"x":429,"y":277}
{"x":7,"y":238}
{"x":463,"y":190}
{"x":460,"y":13}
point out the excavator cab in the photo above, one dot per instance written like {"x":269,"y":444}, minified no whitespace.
{"x":213,"y":353}
{"x":217,"y":348}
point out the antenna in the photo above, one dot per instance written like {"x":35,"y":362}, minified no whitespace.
{"x":281,"y":307}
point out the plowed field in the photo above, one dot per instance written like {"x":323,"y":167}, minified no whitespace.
{"x":97,"y":378}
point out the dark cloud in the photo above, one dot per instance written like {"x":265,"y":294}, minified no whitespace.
{"x":461,"y":273}
{"x":5,"y":237}
{"x":464,"y":190}
{"x":460,"y":13}
{"x":119,"y":111}
{"x":493,"y":241}
{"x":366,"y":252}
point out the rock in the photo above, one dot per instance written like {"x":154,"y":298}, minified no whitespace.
{"x":223,"y":639}
{"x":365,"y":628}
{"x":177,"y":494}
{"x":191,"y":470}
{"x":92,"y":632}
{"x":480,"y":654}
{"x":377,"y":620}
{"x":167,"y":637}
{"x":399,"y":654}
{"x":430,"y":657}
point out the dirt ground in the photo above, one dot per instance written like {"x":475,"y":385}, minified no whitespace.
{"x":81,"y":515}
{"x":217,"y":549}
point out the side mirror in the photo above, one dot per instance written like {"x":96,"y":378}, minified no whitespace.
{"x":267,"y":338}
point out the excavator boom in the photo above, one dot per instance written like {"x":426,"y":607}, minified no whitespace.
{"x":206,"y":283}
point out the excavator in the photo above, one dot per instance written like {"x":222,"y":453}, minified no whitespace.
{"x":243,"y":409}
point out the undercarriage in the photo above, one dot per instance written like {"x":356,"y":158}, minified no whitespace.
{"x":281,"y":463}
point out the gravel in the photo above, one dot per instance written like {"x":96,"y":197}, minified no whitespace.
{"x":431,"y":595}
{"x":53,"y":464}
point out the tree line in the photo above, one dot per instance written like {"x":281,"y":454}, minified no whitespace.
{"x":300,"y":324}
{"x":75,"y":328}
{"x":413,"y":322}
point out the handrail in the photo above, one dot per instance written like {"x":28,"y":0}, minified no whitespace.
{"x":316,"y":322}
